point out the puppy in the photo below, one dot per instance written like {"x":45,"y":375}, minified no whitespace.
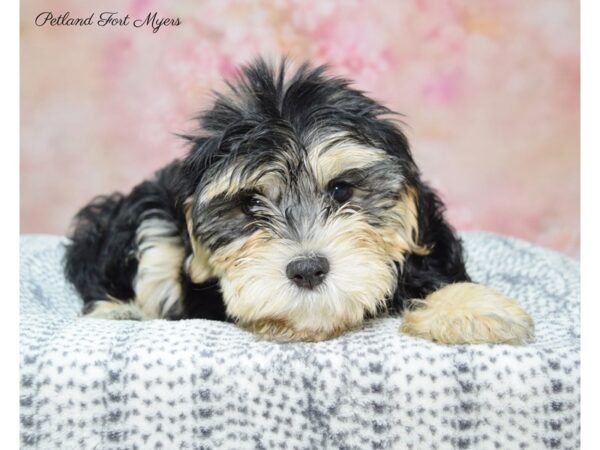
{"x":297,"y":214}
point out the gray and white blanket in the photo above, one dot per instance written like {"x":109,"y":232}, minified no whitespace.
{"x":195,"y":384}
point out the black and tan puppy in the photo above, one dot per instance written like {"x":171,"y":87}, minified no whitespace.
{"x":298,"y":213}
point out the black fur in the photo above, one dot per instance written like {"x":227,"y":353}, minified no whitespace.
{"x":251,"y":125}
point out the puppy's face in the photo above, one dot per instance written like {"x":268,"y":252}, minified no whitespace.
{"x":303,"y":221}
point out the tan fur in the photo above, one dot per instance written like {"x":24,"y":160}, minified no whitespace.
{"x":196,"y":265}
{"x":401,"y":236}
{"x":281,"y":331}
{"x":157,"y":284}
{"x":328,"y":161}
{"x":228,"y":182}
{"x":114,"y":309}
{"x":469,"y":313}
{"x":256,"y":289}
{"x":231,"y":182}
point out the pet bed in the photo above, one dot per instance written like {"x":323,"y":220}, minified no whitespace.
{"x":95,"y":384}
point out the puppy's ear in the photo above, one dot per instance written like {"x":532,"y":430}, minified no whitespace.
{"x":196,"y":264}
{"x":402,"y":237}
{"x":425,"y":271}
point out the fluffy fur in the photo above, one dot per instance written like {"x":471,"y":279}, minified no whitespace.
{"x":286,"y":168}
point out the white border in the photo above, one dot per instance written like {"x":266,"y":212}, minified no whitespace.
{"x":590,"y":223}
{"x":9,"y":244}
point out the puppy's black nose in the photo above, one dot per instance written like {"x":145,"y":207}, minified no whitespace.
{"x":308,"y":272}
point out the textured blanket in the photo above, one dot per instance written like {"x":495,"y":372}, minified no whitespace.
{"x":195,"y":384}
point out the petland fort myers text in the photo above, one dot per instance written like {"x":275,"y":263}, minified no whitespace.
{"x":106,"y":19}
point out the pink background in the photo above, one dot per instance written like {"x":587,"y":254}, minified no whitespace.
{"x":490,"y":90}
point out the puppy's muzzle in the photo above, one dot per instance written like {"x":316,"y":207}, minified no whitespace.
{"x":308,"y":272}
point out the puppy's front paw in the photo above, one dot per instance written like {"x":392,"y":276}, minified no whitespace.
{"x":468,"y":313}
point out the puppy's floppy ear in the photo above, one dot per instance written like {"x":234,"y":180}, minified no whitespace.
{"x":423,"y":273}
{"x":196,"y":264}
{"x":190,"y":172}
{"x":402,"y":238}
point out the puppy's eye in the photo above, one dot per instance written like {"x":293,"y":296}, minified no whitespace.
{"x":341,"y":191}
{"x":249,"y":203}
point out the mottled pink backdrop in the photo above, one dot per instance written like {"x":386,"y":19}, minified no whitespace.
{"x":490,"y":90}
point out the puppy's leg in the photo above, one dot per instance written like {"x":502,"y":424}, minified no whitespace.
{"x":126,"y":253}
{"x":157,"y":285}
{"x":468,"y":313}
